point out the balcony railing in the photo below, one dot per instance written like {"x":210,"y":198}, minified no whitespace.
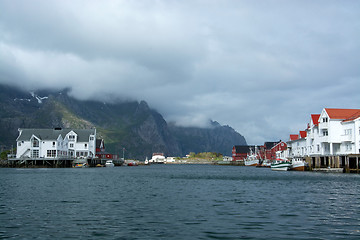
{"x":324,"y":138}
{"x":347,"y":138}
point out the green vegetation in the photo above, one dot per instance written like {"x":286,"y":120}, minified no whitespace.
{"x":206,"y":155}
{"x":71,"y":119}
{"x":4,"y":154}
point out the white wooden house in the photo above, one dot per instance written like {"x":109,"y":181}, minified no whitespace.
{"x":333,"y":132}
{"x":56,"y":143}
{"x":331,"y":136}
{"x":339,"y":131}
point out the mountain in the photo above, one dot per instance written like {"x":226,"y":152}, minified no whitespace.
{"x":132,"y":128}
{"x":215,"y":138}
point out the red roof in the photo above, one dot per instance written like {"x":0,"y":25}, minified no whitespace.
{"x":315,"y":119}
{"x":294,"y":137}
{"x":303,"y":134}
{"x":344,"y":114}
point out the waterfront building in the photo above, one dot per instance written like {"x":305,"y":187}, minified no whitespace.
{"x":240,"y":152}
{"x":101,"y":153}
{"x":55,"y":143}
{"x":266,"y":150}
{"x":279,"y":147}
{"x":331,"y":139}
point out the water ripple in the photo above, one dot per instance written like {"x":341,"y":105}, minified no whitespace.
{"x":178,"y":202}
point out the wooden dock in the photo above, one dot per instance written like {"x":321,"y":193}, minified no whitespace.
{"x":329,"y":170}
{"x":54,"y":162}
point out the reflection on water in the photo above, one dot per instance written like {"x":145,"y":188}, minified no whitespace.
{"x":178,"y":202}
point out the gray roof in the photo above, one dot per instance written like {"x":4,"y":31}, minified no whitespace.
{"x":53,"y":134}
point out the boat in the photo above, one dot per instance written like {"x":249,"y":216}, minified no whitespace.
{"x":109,"y":163}
{"x":146,"y":162}
{"x":252,"y":158}
{"x":298,"y":164}
{"x":280,"y":165}
{"x":81,"y":165}
{"x":266,"y":163}
{"x":132,"y":163}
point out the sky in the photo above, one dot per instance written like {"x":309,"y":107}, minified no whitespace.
{"x":259,"y":66}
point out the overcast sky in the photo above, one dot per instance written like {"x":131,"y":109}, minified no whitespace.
{"x":261,"y":67}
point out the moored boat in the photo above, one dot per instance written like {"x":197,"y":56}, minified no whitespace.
{"x":132,"y":163}
{"x":252,"y":158}
{"x":280,"y":165}
{"x":81,"y":165}
{"x":251,"y":162}
{"x":264,"y":163}
{"x":109,"y":163}
{"x":298,"y":164}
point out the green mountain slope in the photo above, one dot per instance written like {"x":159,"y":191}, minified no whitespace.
{"x":132,"y":126}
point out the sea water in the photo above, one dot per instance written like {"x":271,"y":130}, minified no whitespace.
{"x":177,"y":202}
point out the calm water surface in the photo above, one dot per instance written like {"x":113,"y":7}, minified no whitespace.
{"x":178,"y":202}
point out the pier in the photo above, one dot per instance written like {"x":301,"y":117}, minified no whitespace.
{"x":55,"y":162}
{"x":40,"y":162}
{"x":347,"y":163}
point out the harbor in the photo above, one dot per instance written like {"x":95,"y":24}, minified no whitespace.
{"x":178,"y":201}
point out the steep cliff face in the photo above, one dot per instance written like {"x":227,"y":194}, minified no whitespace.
{"x":215,"y":138}
{"x":129,"y":127}
{"x":153,"y":130}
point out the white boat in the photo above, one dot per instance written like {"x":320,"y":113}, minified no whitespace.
{"x":298,"y":164}
{"x":266,"y":163}
{"x":250,"y":161}
{"x":146,"y":162}
{"x":280,"y":165}
{"x":252,"y":158}
{"x":109,"y":163}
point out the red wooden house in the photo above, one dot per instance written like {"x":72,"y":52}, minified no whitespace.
{"x":280,"y":146}
{"x":240,"y":152}
{"x":101,"y":153}
{"x":265,"y":150}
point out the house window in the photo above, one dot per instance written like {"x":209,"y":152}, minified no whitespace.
{"x":318,"y":148}
{"x":91,"y":138}
{"x":53,"y":144}
{"x":71,"y":145}
{"x":35,"y":143}
{"x":325,"y":119}
{"x":19,"y":144}
{"x":348,"y":132}
{"x":51,"y":153}
{"x":35,"y":153}
{"x":85,"y":145}
{"x":71,"y":137}
{"x":325,"y":133}
{"x":348,"y":147}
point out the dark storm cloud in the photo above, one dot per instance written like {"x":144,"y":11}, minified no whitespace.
{"x":260,"y":66}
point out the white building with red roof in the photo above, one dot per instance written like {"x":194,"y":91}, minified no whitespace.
{"x":333,"y":132}
{"x":339,"y":131}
